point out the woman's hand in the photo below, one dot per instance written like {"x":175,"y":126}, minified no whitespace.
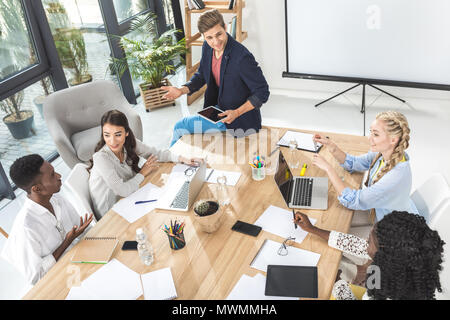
{"x":149,"y":165}
{"x":303,"y":222}
{"x":196,"y":162}
{"x":320,"y":162}
{"x":230,"y":116}
{"x":325,"y":141}
{"x":172,"y":92}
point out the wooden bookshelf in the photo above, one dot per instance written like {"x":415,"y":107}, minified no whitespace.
{"x":196,"y":39}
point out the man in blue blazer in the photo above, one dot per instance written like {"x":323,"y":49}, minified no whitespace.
{"x":235,"y":83}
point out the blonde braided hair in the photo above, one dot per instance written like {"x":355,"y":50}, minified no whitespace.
{"x":396,"y":126}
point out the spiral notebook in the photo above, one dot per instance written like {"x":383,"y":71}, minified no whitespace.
{"x":95,"y":250}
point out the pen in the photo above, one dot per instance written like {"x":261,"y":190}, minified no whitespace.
{"x":145,"y":201}
{"x":302,"y":173}
{"x":209,"y":176}
{"x":293,"y":214}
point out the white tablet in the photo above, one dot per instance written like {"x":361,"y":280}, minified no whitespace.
{"x":211,"y":114}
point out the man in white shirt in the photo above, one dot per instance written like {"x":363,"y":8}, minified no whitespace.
{"x":47,"y":224}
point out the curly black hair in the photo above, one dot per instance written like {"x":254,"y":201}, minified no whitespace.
{"x":409,"y":258}
{"x":24,"y":171}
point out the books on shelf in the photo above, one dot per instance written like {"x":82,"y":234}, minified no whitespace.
{"x":231,"y":5}
{"x":231,"y":28}
{"x":95,"y":250}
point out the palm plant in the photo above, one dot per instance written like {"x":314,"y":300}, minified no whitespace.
{"x":149,"y":58}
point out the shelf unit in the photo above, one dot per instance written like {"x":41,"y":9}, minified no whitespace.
{"x":194,"y":39}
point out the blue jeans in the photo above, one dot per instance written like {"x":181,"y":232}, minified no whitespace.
{"x":195,"y":124}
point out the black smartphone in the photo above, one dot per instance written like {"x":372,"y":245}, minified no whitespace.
{"x":246,"y":228}
{"x":129,"y":245}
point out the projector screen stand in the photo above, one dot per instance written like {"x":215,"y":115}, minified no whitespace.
{"x":363,"y":103}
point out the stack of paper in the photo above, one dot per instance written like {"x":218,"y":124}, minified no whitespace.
{"x":115,"y":281}
{"x":249,"y":288}
{"x":280,"y":222}
{"x":130,"y":211}
{"x":213,"y":174}
{"x":268,"y":254}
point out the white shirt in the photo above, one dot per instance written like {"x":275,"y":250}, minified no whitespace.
{"x":111,"y":179}
{"x":36,"y":234}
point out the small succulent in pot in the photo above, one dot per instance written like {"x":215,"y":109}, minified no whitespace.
{"x":206,"y":207}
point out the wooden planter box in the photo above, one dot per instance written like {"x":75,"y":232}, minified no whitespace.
{"x":153,"y":97}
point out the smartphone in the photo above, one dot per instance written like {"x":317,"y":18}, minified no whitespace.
{"x":246,"y":228}
{"x":129,"y":245}
{"x":211,"y":114}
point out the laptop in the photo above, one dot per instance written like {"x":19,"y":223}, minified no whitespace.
{"x":182,"y":188}
{"x":301,"y":192}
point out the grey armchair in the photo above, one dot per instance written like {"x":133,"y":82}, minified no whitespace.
{"x":73,"y":118}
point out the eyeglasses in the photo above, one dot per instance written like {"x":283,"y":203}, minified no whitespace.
{"x":189,"y":171}
{"x":283,"y":251}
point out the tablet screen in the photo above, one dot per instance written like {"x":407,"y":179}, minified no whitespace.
{"x":211,"y":114}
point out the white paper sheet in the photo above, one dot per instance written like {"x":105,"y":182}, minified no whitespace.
{"x":268,"y":254}
{"x":114,"y":281}
{"x":130,"y":211}
{"x":304,"y":140}
{"x":232,"y":176}
{"x":79,"y":293}
{"x":158,"y":285}
{"x":280,"y":222}
{"x":248,"y":288}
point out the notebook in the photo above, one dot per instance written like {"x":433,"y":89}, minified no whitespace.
{"x":291,"y":281}
{"x":304,"y":141}
{"x":95,"y":250}
{"x":159,"y":285}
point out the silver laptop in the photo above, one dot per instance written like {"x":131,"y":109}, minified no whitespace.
{"x":182,"y":188}
{"x":301,"y":192}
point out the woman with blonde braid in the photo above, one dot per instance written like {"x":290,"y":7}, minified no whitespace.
{"x":388,"y":183}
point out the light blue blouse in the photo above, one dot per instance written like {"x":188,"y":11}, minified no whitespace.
{"x":390,"y":193}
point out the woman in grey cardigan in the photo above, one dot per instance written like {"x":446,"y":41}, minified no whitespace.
{"x":114,"y":170}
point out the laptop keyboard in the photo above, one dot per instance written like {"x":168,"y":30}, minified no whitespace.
{"x":181,"y":199}
{"x":302,"y":192}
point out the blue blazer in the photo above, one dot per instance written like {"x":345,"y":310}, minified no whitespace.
{"x":241,"y":79}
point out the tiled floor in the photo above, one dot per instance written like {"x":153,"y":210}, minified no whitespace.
{"x":428,"y":150}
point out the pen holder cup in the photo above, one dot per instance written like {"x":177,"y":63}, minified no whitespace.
{"x":258,"y":174}
{"x":177,"y":241}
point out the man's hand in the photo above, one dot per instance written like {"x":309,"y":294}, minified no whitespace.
{"x":230,"y":116}
{"x":77,"y":230}
{"x":172,"y":92}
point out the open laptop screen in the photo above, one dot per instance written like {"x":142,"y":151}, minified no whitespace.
{"x":283,"y":178}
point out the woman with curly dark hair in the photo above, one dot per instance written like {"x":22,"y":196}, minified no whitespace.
{"x":404,"y":255}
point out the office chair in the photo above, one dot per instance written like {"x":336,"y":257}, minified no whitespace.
{"x":73,"y":118}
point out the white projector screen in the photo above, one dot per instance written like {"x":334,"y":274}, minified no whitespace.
{"x":392,"y":42}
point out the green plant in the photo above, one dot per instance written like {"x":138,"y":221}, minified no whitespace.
{"x":149,"y":58}
{"x":206,"y":207}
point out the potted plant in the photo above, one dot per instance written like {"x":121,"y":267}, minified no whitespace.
{"x":208,"y":214}
{"x":150,"y":58}
{"x":39,"y":100}
{"x":19,"y":122}
{"x":69,"y":43}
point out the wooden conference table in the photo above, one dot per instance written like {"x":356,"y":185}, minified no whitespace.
{"x":210,"y":265}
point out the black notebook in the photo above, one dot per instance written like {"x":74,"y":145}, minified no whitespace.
{"x":291,"y":281}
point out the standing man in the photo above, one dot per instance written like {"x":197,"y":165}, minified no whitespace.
{"x":47,"y":224}
{"x":235,"y":83}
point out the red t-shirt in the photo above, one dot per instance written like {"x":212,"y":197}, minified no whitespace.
{"x":215,"y":68}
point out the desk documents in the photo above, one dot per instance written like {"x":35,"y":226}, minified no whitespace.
{"x":248,"y":288}
{"x":268,"y":254}
{"x":131,"y":211}
{"x":213,"y":174}
{"x":280,"y":222}
{"x":158,"y":285}
{"x":304,"y":141}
